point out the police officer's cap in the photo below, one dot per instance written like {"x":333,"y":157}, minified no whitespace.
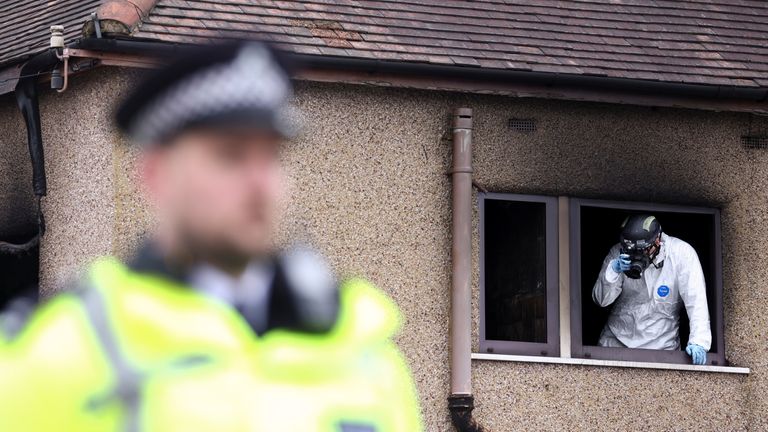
{"x":240,"y":83}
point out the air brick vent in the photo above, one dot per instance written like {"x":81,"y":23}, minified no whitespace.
{"x":522,"y":125}
{"x":759,"y":142}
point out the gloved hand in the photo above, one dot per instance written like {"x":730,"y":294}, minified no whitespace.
{"x":697,"y":353}
{"x":621,"y":264}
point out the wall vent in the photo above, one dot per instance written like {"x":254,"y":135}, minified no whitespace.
{"x":755,"y":142}
{"x":522,"y":125}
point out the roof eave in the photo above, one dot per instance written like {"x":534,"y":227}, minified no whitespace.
{"x":473,"y":79}
{"x":534,"y":84}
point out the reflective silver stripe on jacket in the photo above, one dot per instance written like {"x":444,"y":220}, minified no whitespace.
{"x":128,"y":378}
{"x":15,"y":317}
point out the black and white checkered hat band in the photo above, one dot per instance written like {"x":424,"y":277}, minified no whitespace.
{"x":250,"y":83}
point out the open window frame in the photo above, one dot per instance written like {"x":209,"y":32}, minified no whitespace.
{"x":550,"y":348}
{"x":579,"y":350}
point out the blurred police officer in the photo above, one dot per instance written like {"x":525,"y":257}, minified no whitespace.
{"x":210,"y":328}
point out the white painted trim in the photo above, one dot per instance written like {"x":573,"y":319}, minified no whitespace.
{"x":610,"y":363}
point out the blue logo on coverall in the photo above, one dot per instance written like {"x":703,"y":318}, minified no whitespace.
{"x":663,"y":291}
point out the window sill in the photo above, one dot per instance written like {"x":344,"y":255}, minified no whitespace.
{"x":610,"y":363}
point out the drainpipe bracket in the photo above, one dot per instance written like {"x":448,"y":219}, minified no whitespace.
{"x":461,"y":401}
{"x":460,"y":407}
{"x":459,"y":170}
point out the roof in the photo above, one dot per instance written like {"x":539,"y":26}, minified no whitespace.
{"x":26,"y":24}
{"x":712,"y":42}
{"x":709,"y":42}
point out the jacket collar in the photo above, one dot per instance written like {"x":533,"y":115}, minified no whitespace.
{"x":287,"y":308}
{"x":149,"y":259}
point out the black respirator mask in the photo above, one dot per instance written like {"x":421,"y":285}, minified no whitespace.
{"x":641,"y":240}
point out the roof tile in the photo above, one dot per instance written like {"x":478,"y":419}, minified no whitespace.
{"x":693,"y":41}
{"x":26,"y":24}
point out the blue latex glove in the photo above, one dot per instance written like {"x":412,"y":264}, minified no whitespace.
{"x":697,"y":353}
{"x":621,"y":264}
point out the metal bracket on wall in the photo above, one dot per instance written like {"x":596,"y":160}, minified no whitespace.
{"x":478,"y":186}
{"x":96,"y":24}
{"x":82,"y":64}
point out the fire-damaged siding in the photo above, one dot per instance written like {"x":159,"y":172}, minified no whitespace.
{"x":17,"y":212}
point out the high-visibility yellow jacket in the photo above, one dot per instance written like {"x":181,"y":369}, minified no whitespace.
{"x":139,"y":352}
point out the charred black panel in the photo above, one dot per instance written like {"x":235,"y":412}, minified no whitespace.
{"x":19,"y":272}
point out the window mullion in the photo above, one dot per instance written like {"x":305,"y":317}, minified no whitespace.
{"x":564,"y":275}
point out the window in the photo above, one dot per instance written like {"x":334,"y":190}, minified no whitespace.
{"x":595,"y":228}
{"x":539,"y":252}
{"x":519,"y":294}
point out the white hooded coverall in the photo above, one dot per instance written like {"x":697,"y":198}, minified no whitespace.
{"x":646,"y":311}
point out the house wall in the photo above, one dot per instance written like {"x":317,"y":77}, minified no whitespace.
{"x":371,"y":191}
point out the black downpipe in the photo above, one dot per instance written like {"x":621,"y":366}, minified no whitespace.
{"x":27,"y":100}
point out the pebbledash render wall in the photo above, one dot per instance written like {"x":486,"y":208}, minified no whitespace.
{"x":370,"y":190}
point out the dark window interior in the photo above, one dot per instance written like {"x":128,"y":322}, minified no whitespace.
{"x":515,"y":271}
{"x":600,"y":228}
{"x":18,"y":274}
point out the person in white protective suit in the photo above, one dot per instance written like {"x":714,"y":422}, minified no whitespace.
{"x":649,"y":277}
